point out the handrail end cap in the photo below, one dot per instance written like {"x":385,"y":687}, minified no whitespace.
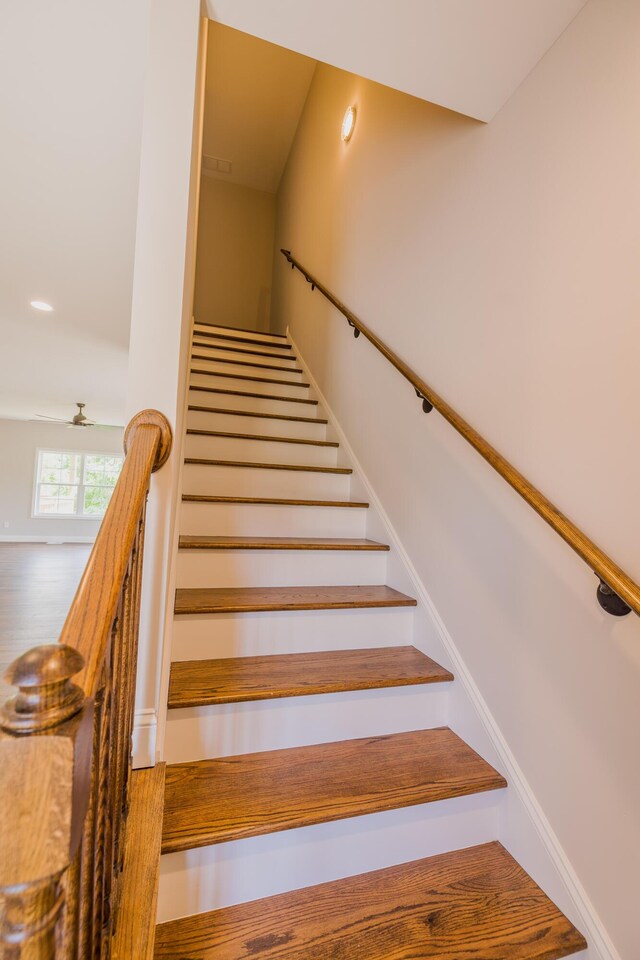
{"x":157,"y":419}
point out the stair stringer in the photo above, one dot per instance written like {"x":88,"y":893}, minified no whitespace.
{"x":523,"y":827}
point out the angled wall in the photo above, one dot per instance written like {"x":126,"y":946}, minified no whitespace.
{"x":467,"y":55}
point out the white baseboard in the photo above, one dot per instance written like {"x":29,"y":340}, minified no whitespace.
{"x":543,"y":848}
{"x":43,"y":538}
{"x":145,"y":730}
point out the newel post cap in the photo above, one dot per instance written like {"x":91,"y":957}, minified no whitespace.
{"x":47,"y":695}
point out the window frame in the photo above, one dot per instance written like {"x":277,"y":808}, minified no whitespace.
{"x":83,"y":454}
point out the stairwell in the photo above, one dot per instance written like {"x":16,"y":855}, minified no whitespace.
{"x":317,"y":804}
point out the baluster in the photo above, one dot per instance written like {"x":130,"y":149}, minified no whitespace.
{"x":101,"y":823}
{"x":125,"y":662}
{"x":122,"y":654}
{"x":68,"y":931}
{"x":133,"y":631}
{"x":111,"y":779}
{"x":88,"y":858}
{"x":45,"y":761}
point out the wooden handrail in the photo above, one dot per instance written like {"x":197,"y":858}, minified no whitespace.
{"x":147,"y":443}
{"x":617,"y":593}
{"x":65,"y":745}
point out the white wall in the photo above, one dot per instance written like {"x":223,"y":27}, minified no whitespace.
{"x":71,"y":76}
{"x":19,"y":442}
{"x":501,"y":261}
{"x":163,"y":280}
{"x":234,"y":262}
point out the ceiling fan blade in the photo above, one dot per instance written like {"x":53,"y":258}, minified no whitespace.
{"x":42,"y":416}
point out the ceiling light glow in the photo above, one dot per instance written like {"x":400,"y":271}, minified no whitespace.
{"x":41,"y":305}
{"x":348,"y":123}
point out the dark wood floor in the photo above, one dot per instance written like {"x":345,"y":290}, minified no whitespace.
{"x":37,"y":584}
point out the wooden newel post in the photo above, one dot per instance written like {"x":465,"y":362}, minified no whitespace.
{"x":45,"y":769}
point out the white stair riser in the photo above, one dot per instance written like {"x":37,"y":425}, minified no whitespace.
{"x":264,"y":632}
{"x":267,"y":451}
{"x":278,"y":568}
{"x":229,"y":353}
{"x":266,"y":520}
{"x":234,"y":423}
{"x":257,"y":482}
{"x":218,"y":366}
{"x":218,"y":876}
{"x":230,"y":401}
{"x":238,"y":351}
{"x":267,"y":338}
{"x":251,"y":386}
{"x":201,"y":733}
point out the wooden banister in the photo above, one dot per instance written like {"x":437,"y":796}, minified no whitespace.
{"x":617,"y":593}
{"x":65,"y":745}
{"x":92,"y":611}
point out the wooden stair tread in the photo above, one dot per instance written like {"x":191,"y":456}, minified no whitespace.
{"x":476,"y":903}
{"x":262,"y":436}
{"x":221,"y":326}
{"x":251,"y":413}
{"x":244,"y":376}
{"x":234,"y":349}
{"x":246,"y":363}
{"x":279,"y":543}
{"x":214,"y":801}
{"x":191,"y":600}
{"x":275,"y":501}
{"x":195,"y":683}
{"x":302,"y":467}
{"x":254,"y":342}
{"x":247,"y":393}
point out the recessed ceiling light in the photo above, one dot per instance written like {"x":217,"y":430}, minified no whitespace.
{"x":348,"y":123}
{"x":41,"y":305}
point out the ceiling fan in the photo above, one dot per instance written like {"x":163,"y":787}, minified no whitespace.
{"x":79,"y":420}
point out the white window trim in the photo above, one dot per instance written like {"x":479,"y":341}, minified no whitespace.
{"x":93,"y":518}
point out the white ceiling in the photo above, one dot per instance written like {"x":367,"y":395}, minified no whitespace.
{"x":255,"y":93}
{"x":467,"y":55}
{"x":72,"y":82}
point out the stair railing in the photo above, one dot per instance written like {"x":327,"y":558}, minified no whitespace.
{"x":65,"y":746}
{"x":617,"y":593}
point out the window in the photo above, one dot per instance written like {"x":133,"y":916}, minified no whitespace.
{"x":70,"y":484}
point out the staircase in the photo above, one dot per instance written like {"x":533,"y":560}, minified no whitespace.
{"x":317,"y":805}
